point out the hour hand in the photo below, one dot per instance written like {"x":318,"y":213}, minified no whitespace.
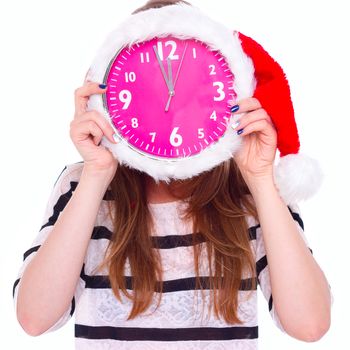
{"x":170,"y":75}
{"x":172,"y":89}
{"x":162,"y":68}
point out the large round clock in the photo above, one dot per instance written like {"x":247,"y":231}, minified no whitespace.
{"x":168,"y":97}
{"x":169,"y":82}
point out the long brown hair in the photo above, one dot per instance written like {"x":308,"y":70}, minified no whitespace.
{"x":217,"y":203}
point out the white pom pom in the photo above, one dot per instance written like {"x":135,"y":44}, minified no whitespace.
{"x":297,"y":177}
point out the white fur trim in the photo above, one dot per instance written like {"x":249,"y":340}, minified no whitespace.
{"x":184,"y":22}
{"x":297,"y":177}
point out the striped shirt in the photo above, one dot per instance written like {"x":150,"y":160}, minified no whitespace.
{"x":178,"y":323}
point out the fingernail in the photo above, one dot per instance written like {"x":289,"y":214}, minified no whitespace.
{"x":116,"y":138}
{"x":102,"y":86}
{"x":234,"y":126}
{"x":234,"y":108}
{"x":240,"y":131}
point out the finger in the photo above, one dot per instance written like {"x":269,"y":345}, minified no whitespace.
{"x":83,"y":131}
{"x":246,"y":105}
{"x":88,"y":128}
{"x":104,"y":125}
{"x":245,"y":119}
{"x":262,"y":126}
{"x":82,"y":94}
{"x":97,"y":138}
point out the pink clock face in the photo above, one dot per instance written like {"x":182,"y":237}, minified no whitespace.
{"x":168,"y":98}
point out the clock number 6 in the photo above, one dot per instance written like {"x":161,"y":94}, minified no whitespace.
{"x":125,"y":97}
{"x":175,"y":139}
{"x":220,"y":90}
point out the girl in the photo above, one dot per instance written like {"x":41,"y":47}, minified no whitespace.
{"x":128,"y":255}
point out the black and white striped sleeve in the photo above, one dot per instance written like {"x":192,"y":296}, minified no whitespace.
{"x":58,"y":198}
{"x":263,"y":268}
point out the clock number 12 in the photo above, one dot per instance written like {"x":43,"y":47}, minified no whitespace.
{"x":172,"y":55}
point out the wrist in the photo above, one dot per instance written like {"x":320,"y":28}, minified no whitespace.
{"x":257,"y":184}
{"x":263,"y":176}
{"x":101,"y":175}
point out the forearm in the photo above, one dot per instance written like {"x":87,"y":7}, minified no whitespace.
{"x":49,"y":281}
{"x":300,"y":290}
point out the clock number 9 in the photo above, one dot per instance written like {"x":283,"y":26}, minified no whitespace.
{"x":125,"y":97}
{"x":175,"y":139}
{"x":220,"y":90}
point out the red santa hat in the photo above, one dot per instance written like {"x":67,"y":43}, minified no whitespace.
{"x":297,"y":175}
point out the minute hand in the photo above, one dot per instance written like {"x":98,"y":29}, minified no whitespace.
{"x":162,"y":69}
{"x":177,"y":76}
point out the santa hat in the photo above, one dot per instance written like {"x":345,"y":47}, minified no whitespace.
{"x":297,"y":175}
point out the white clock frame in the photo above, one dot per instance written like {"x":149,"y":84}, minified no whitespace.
{"x":184,"y":22}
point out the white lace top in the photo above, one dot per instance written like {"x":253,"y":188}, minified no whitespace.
{"x":178,"y":323}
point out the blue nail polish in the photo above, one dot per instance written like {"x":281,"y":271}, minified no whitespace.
{"x":234,"y":108}
{"x":102,"y":86}
{"x":240,"y":131}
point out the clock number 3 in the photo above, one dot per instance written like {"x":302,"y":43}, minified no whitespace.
{"x":220,"y":90}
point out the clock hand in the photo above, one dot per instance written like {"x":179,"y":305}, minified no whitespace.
{"x":162,"y":68}
{"x":170,"y":75}
{"x":182,"y":58}
{"x":172,"y":91}
{"x":177,"y":75}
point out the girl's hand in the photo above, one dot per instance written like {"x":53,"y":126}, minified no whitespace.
{"x":256,"y":156}
{"x":87,"y":129}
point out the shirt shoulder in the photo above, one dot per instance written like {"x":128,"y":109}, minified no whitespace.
{"x":70,"y":175}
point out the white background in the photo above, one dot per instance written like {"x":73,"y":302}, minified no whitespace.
{"x":46,"y":49}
